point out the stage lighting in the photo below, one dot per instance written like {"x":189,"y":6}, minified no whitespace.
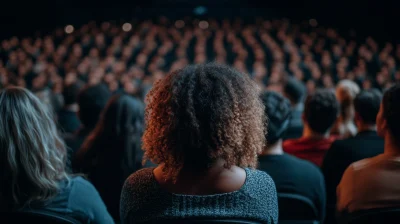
{"x":69,"y":29}
{"x":313,"y":22}
{"x":203,"y":24}
{"x":179,"y":24}
{"x":126,"y":27}
{"x":200,"y":10}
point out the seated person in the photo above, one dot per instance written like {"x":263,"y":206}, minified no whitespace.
{"x":33,"y":159}
{"x":91,"y":101}
{"x":320,"y":113}
{"x":295,"y":91}
{"x":290,"y":174}
{"x":346,"y":92}
{"x":373,"y":182}
{"x":68,"y":119}
{"x":365,"y":144}
{"x":204,"y":129}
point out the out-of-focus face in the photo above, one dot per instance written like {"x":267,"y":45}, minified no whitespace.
{"x":381,"y":123}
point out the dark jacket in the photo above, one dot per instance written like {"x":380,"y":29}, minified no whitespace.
{"x":343,"y":153}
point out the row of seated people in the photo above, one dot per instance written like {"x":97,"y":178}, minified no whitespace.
{"x":207,"y":128}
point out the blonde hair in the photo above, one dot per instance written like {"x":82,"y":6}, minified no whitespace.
{"x":33,"y":156}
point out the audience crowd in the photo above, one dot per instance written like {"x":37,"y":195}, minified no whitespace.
{"x":128,"y":125}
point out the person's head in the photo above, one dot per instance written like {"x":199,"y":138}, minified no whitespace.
{"x":277,"y":111}
{"x":294,"y":91}
{"x":388,"y":118}
{"x":91,"y":101}
{"x":32,"y":154}
{"x":119,"y":129}
{"x":346,"y":91}
{"x":366,"y":105}
{"x":202,"y":114}
{"x":320,"y":111}
{"x":70,"y":93}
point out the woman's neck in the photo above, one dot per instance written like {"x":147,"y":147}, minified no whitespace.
{"x":274,"y":149}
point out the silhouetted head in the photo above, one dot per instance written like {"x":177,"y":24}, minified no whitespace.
{"x":294,"y":90}
{"x":366,"y":105}
{"x":91,"y":101}
{"x":278,"y":111}
{"x":321,"y":110}
{"x":388,"y":118}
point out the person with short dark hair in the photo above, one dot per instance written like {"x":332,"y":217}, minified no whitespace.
{"x":320,"y":113}
{"x":373,"y":182}
{"x":365,"y":144}
{"x":295,"y":91}
{"x":91,"y":101}
{"x":68,"y":120}
{"x":32,"y":169}
{"x":204,"y":129}
{"x":290,"y":174}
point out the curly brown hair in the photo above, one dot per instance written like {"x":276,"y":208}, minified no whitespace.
{"x":203,"y":113}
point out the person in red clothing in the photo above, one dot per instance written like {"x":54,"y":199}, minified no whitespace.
{"x":320,"y":113}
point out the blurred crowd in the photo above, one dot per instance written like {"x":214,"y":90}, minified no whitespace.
{"x":130,"y":58}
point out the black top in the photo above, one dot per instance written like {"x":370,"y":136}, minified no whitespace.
{"x":296,"y":176}
{"x":343,"y":153}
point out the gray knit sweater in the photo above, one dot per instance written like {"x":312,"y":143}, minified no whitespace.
{"x":143,"y":199}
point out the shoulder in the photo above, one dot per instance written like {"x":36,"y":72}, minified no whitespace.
{"x":143,"y":176}
{"x":79,"y":186}
{"x":308,"y":168}
{"x":365,"y":163}
{"x":139,"y":182}
{"x":288,"y":144}
{"x":259,"y":181}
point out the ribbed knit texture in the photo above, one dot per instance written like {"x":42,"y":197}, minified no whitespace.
{"x":143,"y":199}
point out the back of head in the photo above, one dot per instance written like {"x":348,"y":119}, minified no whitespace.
{"x":202,"y":114}
{"x":117,"y":133}
{"x":70,"y":93}
{"x":321,"y":111}
{"x":91,"y":101}
{"x":278,"y":111}
{"x":32,"y":154}
{"x":294,"y":90}
{"x":391,"y":111}
{"x":366,"y":105}
{"x":346,"y":91}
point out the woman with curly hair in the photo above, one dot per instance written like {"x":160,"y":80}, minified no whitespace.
{"x":32,"y":164}
{"x":204,"y":127}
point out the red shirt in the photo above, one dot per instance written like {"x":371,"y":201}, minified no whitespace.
{"x":310,"y":149}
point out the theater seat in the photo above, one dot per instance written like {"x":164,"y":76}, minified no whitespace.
{"x":43,"y":217}
{"x":205,"y":221}
{"x":372,"y":216}
{"x":296,"y":209}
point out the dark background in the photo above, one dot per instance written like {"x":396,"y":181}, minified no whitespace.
{"x":379,"y":19}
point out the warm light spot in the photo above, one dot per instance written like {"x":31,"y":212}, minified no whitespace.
{"x":69,"y":29}
{"x":313,"y":22}
{"x":127,"y":27}
{"x":203,"y":24}
{"x":179,"y":24}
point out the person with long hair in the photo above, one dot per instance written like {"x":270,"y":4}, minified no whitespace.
{"x":113,"y":149}
{"x":346,"y":92}
{"x":204,"y":129}
{"x":33,"y":159}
